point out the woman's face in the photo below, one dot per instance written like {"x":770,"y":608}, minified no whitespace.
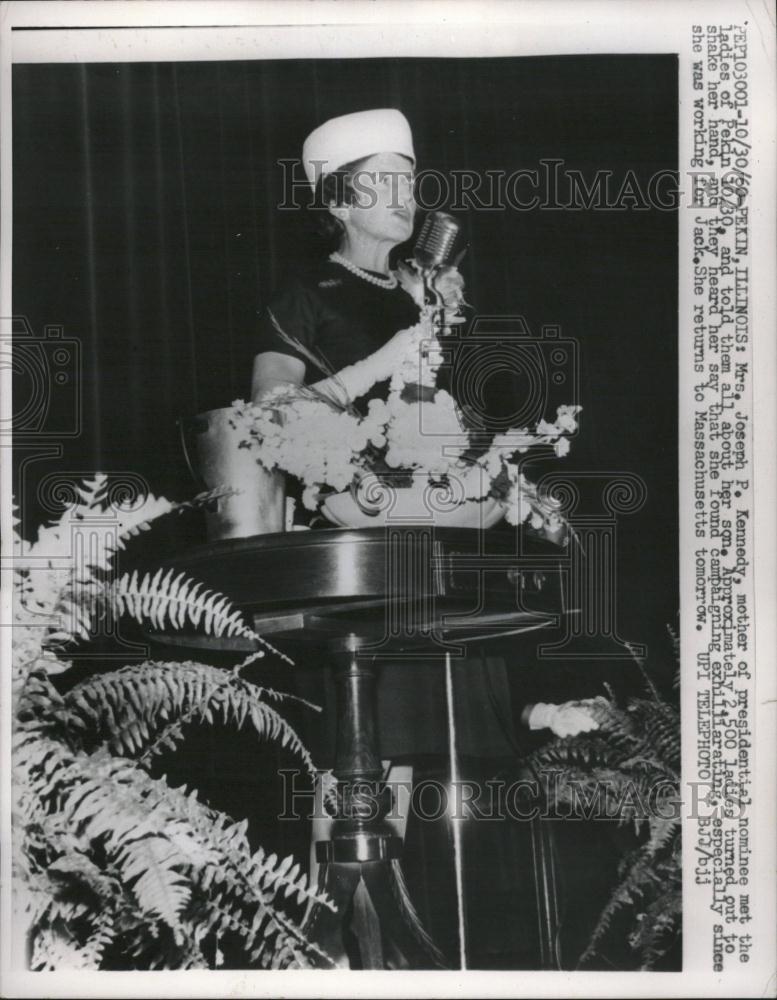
{"x":383,"y":208}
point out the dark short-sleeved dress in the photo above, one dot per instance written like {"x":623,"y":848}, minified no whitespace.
{"x":337,"y":314}
{"x":346,"y":318}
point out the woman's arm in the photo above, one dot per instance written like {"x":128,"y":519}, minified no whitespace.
{"x":356,"y":379}
{"x":272,"y":369}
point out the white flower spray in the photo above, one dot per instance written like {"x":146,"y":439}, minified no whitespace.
{"x":316,"y":433}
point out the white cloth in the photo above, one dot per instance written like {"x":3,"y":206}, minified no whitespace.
{"x":352,"y":137}
{"x":569,"y":719}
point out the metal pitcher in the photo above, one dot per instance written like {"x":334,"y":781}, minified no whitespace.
{"x":210,"y":445}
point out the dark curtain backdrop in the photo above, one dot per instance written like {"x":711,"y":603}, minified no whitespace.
{"x":145,"y":224}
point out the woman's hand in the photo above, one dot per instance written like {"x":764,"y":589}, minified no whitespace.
{"x":446,"y":281}
{"x":411,"y":280}
{"x":273,"y":371}
{"x":359,"y":378}
{"x":449,"y":285}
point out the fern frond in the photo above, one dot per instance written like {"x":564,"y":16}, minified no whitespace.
{"x":142,"y":709}
{"x":252,"y":881}
{"x":176,"y":600}
{"x":69,"y":931}
{"x":102,"y":936}
{"x":644,"y":877}
{"x":648,"y":729}
{"x":169,"y":848}
{"x":75,"y":868}
{"x":92,"y":491}
{"x":590,"y":752}
{"x":660,"y":924}
{"x":659,"y":725}
{"x":110,"y":865}
{"x":148,"y":865}
{"x":112,"y":813}
{"x":38,"y":704}
{"x":152,"y":508}
{"x":264,"y":873}
{"x":634,"y":753}
{"x":55,"y":949}
{"x":663,"y":833}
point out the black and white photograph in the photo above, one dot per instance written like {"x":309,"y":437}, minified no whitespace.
{"x":379,"y":498}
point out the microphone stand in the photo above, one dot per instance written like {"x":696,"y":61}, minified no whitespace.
{"x":433,"y":298}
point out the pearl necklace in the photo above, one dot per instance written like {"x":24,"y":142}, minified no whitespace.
{"x":387,"y":283}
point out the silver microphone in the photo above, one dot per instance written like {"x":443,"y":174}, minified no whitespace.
{"x":436,"y":240}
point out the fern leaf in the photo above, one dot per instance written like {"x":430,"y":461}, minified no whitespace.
{"x":124,"y":707}
{"x":54,"y":950}
{"x":176,"y":600}
{"x":149,"y":867}
{"x":632,"y":888}
{"x":92,"y":491}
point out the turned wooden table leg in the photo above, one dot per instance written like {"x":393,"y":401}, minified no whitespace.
{"x":359,"y":832}
{"x":376,"y":926}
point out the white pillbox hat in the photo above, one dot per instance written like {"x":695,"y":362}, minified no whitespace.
{"x":352,"y":137}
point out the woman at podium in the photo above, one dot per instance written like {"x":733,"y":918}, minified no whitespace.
{"x":351,"y":308}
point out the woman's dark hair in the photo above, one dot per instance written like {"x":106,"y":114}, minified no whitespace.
{"x":335,"y":188}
